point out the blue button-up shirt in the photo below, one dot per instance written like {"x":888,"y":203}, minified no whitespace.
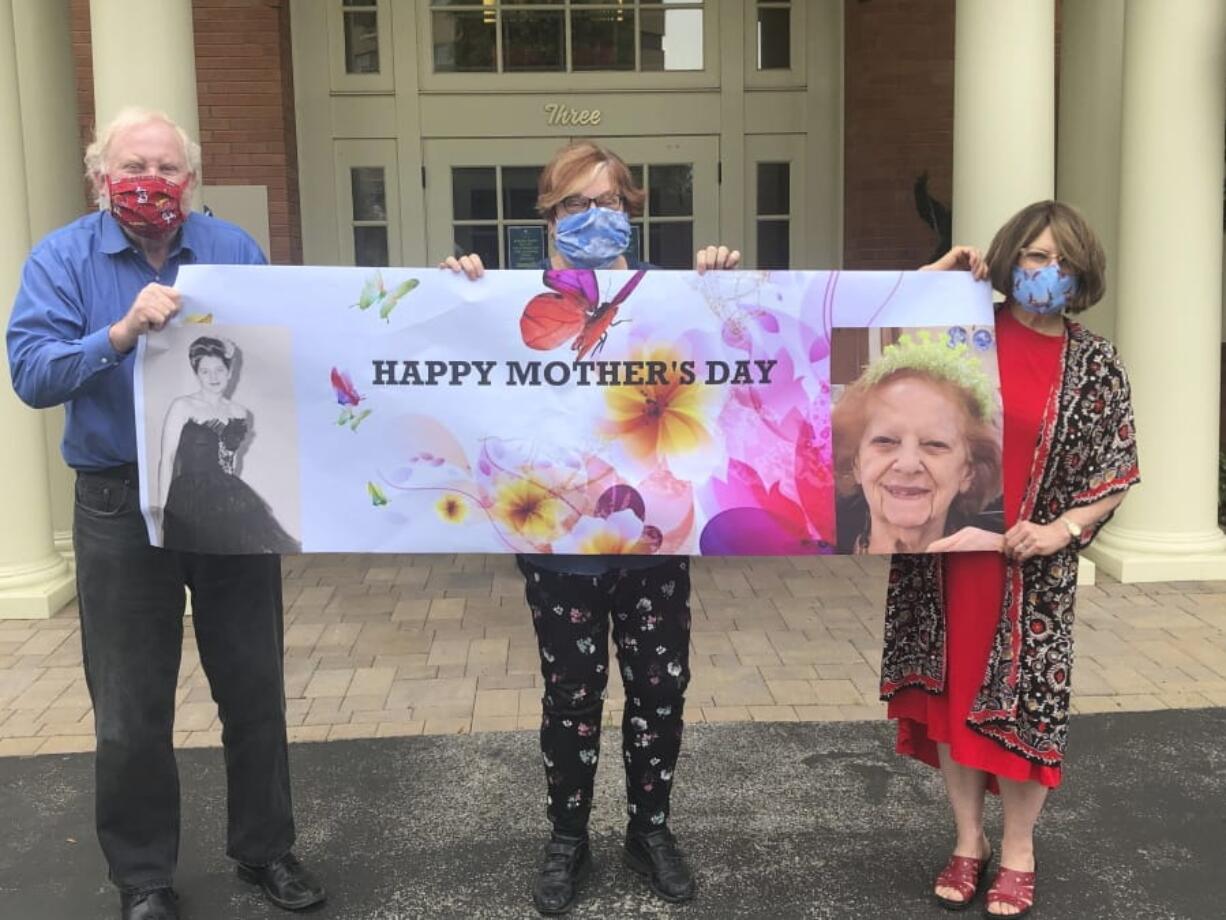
{"x":77,"y":282}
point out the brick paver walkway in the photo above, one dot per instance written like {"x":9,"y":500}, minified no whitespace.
{"x":402,"y":645}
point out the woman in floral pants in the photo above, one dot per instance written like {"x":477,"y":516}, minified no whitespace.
{"x":587,"y":196}
{"x":650,"y":613}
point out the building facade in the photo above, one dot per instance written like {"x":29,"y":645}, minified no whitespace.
{"x":808,"y":133}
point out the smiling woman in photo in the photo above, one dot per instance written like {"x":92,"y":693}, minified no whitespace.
{"x":917,"y":452}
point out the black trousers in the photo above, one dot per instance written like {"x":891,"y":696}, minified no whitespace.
{"x":649,"y":610}
{"x":131,"y":598}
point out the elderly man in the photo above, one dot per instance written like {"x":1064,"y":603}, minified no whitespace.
{"x":88,"y":292}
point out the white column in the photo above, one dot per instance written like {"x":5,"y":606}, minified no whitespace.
{"x":1004,"y":119}
{"x":1004,"y":113}
{"x":34,"y":579}
{"x":1088,"y":145}
{"x":144,"y":54}
{"x":48,"y":91}
{"x":1168,"y":325}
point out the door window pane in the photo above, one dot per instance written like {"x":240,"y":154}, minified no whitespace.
{"x":370,"y":246}
{"x":774,"y":36}
{"x":634,"y":252}
{"x":671,"y":190}
{"x":361,"y":41}
{"x":602,"y":39}
{"x":671,"y":40}
{"x":533,"y":40}
{"x":369,"y":194}
{"x":482,"y":240}
{"x":519,"y":187}
{"x":672,"y":244}
{"x":474,"y":193}
{"x":464,"y":42}
{"x":773,"y":244}
{"x":774,"y":195}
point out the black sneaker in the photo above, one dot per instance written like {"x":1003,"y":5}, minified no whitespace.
{"x":567,"y":862}
{"x":655,"y":855}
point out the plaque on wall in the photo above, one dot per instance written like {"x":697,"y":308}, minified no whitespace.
{"x":525,"y":247}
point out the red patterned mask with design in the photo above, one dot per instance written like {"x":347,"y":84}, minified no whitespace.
{"x":149,"y":206}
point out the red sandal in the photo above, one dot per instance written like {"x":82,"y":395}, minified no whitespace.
{"x":965,"y":875}
{"x":1013,"y":888}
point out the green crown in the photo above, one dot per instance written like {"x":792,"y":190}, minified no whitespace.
{"x":954,"y":363}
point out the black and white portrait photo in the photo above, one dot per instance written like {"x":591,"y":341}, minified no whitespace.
{"x":222,"y":472}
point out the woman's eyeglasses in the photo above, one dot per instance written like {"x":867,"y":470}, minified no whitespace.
{"x":576,"y":204}
{"x":1038,"y":258}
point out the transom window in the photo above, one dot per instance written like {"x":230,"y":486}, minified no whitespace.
{"x":360,"y":22}
{"x":535,"y":36}
{"x":774,"y":37}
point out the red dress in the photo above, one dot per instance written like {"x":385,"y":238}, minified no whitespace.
{"x":974,"y":582}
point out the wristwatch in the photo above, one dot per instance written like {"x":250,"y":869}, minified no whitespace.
{"x":1073,"y":528}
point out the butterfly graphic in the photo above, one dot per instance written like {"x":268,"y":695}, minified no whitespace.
{"x":375,"y":294}
{"x":572,"y":310}
{"x":348,"y":398}
{"x":377,"y":498}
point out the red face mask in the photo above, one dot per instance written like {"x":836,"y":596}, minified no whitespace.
{"x":149,"y":206}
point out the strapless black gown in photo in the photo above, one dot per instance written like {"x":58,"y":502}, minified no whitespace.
{"x":208,"y":508}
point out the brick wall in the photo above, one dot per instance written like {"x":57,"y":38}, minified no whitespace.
{"x":898,"y":123}
{"x":244,"y":78}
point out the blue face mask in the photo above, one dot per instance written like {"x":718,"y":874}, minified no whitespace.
{"x":594,"y":238}
{"x":1044,"y":290}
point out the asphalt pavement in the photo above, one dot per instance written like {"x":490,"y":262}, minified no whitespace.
{"x":780,"y":821}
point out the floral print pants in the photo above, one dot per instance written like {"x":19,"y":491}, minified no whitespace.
{"x":650,"y":613}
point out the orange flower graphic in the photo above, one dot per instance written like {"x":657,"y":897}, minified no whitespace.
{"x":452,"y":508}
{"x":528,"y":509}
{"x":656,"y":421}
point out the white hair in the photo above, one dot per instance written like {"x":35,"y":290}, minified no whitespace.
{"x":99,"y":150}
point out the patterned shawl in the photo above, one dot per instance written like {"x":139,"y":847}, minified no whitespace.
{"x":1086,"y":451}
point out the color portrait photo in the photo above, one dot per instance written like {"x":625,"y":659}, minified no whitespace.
{"x":221,"y":473}
{"x":916,"y":437}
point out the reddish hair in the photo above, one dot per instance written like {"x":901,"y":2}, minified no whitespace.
{"x":571,"y":168}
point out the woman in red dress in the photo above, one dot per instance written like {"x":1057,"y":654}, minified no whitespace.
{"x":979,"y":644}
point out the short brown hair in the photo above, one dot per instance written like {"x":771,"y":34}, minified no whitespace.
{"x":850,"y":416}
{"x":1076,"y":242}
{"x":572,"y":165}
